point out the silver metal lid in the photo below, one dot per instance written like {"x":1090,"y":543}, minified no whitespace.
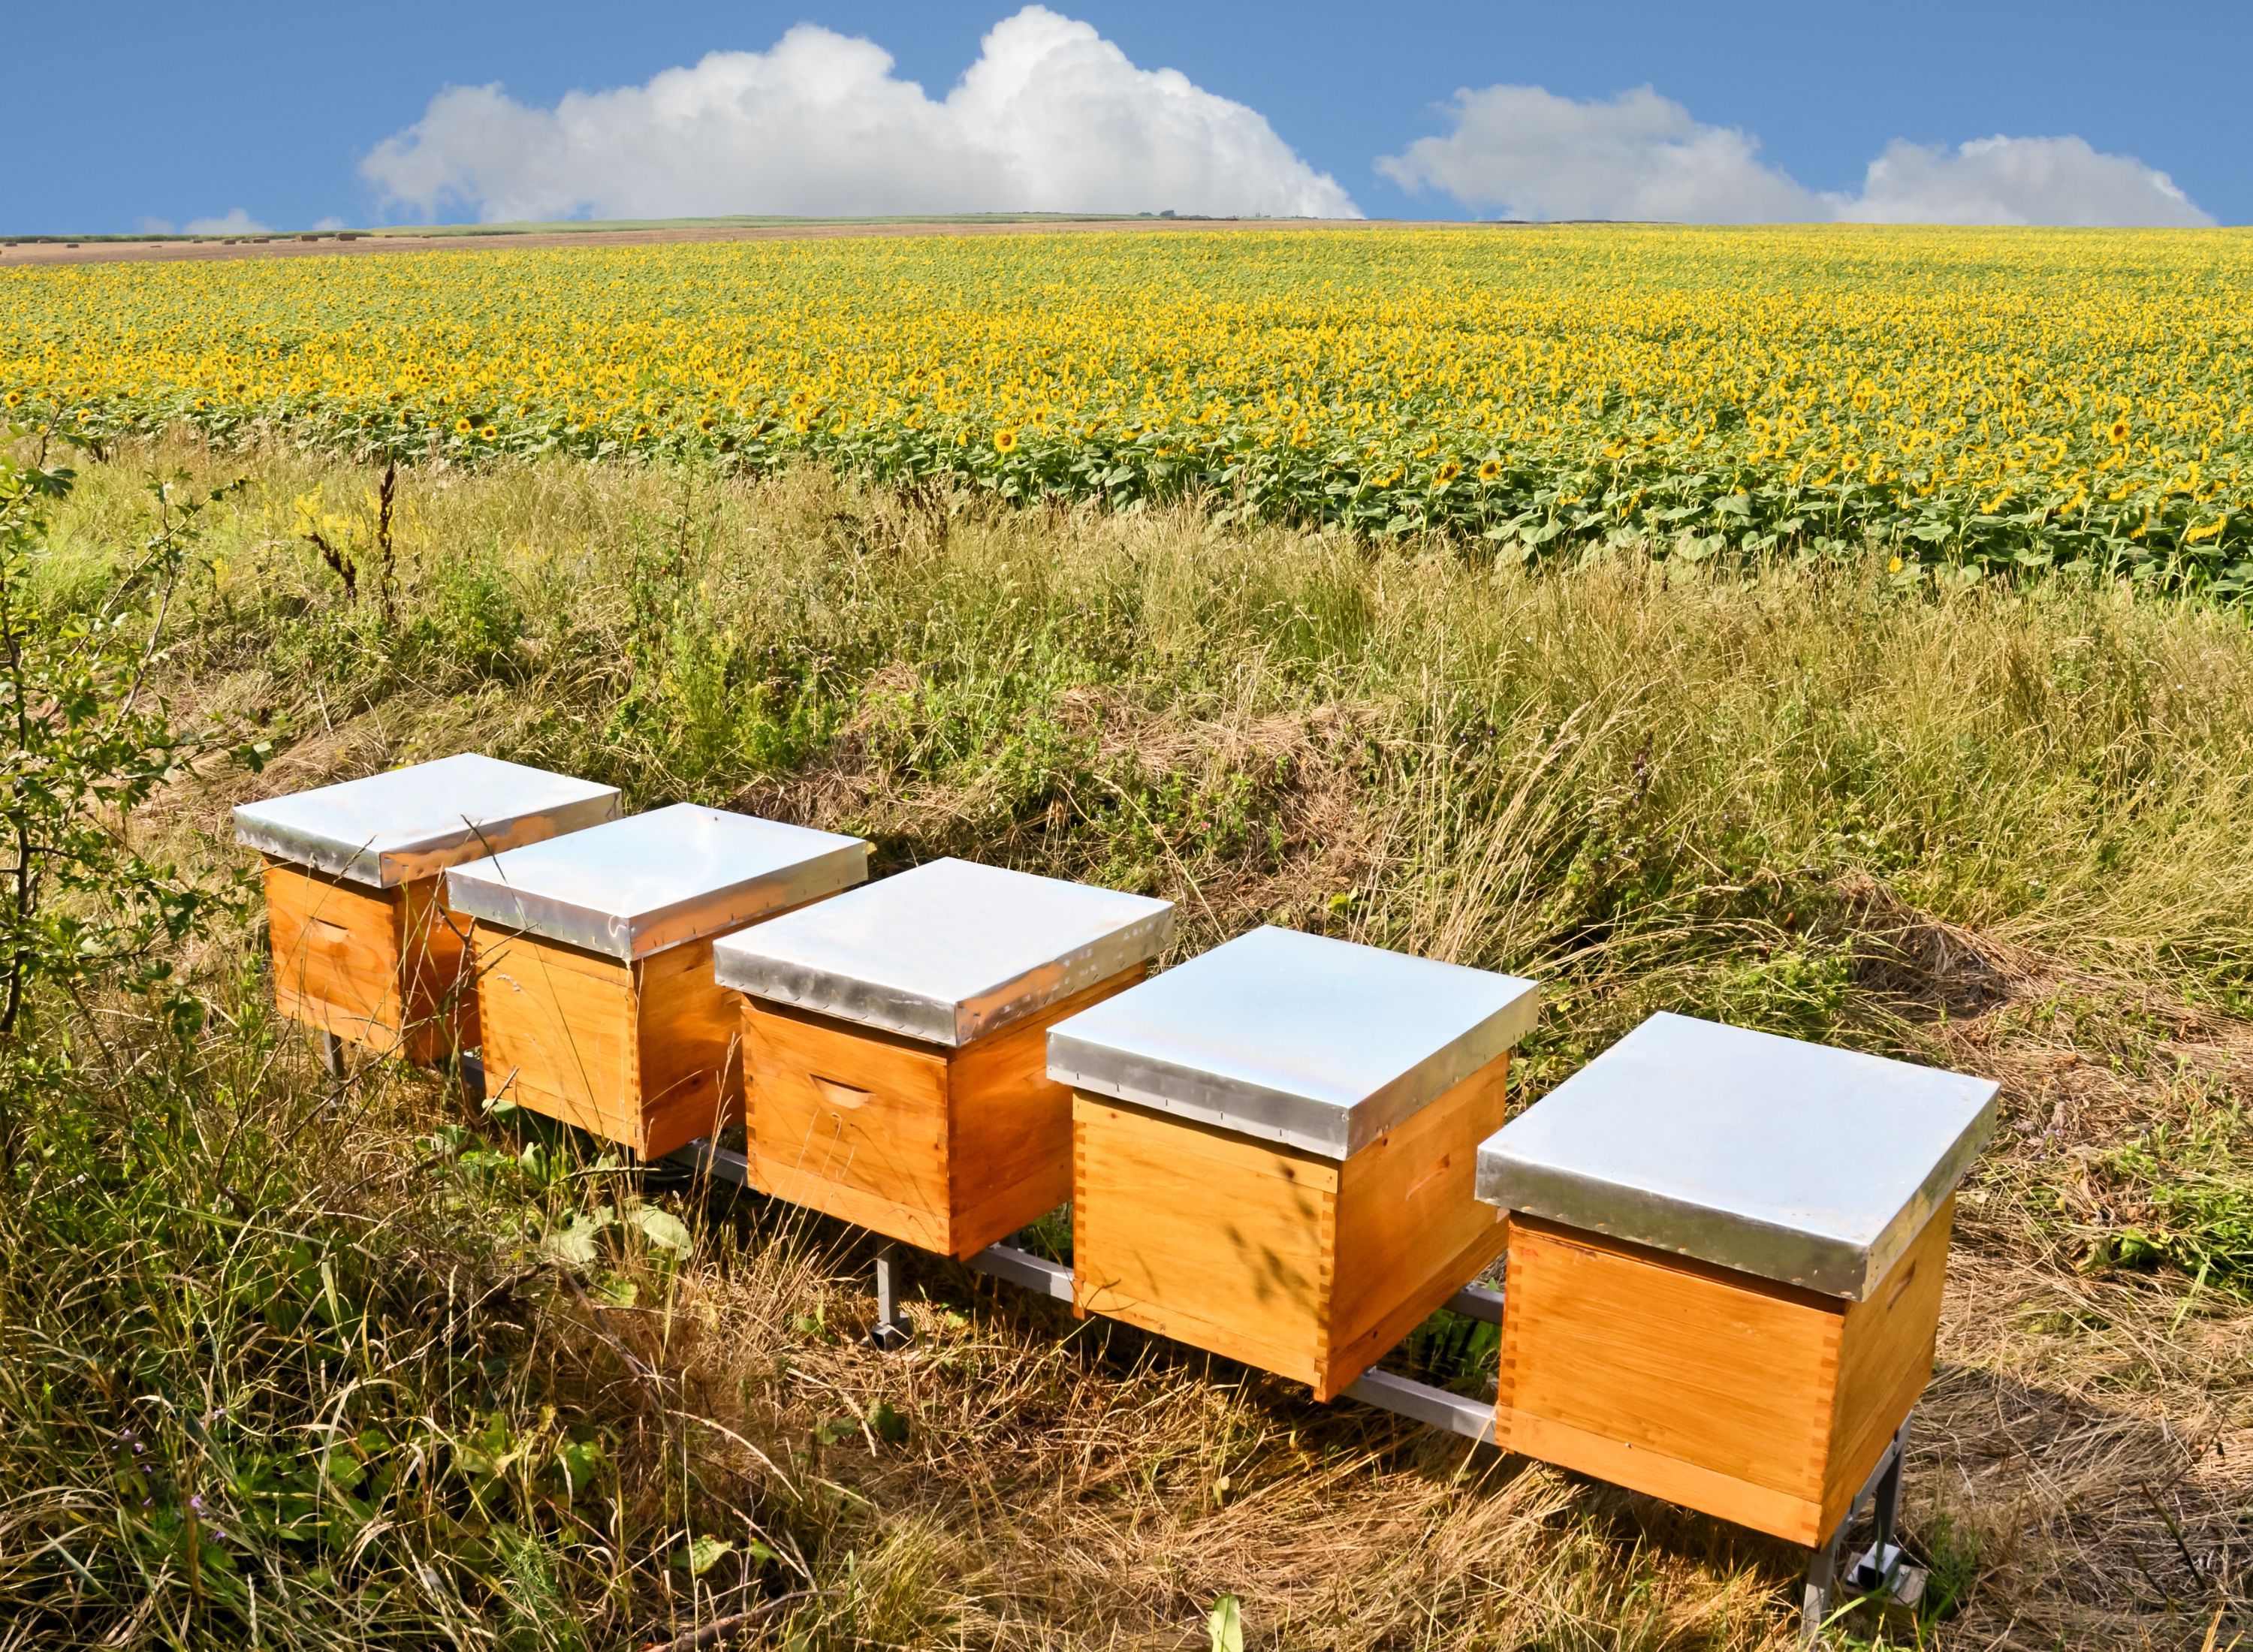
{"x":948,"y":952}
{"x":653,"y":880}
{"x":1796,"y":1162}
{"x":1321,"y":1045}
{"x":410,"y":823}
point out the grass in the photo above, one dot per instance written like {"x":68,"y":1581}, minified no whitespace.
{"x":287,"y":1362}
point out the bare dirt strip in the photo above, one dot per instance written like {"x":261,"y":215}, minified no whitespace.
{"x":329,"y":246}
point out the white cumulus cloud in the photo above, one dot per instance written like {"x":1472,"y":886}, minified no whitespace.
{"x":1532,"y":153}
{"x":236,"y":222}
{"x":1529,"y":153}
{"x":2016,"y":180}
{"x":1051,"y":117}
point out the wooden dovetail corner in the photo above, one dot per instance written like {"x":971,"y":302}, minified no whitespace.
{"x":645,"y":1054}
{"x":1307,"y":1266}
{"x":950,"y":1149}
{"x":386,"y":968}
{"x":1753,"y":1401}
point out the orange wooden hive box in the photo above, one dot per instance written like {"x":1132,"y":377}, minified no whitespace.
{"x":364,"y":947}
{"x":1273,"y":1143}
{"x":594,"y":963}
{"x":1726,"y":1255}
{"x":896,"y":1040}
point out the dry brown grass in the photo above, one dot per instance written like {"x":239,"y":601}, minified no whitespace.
{"x":1785,"y":797}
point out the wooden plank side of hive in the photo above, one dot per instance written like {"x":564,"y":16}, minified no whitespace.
{"x":1202,"y":1234}
{"x":690,"y":1036}
{"x":1701,"y":1385}
{"x":849,"y":1120}
{"x":432,"y":943}
{"x":560,"y":1033}
{"x":1886,"y":1350}
{"x":335,"y":954}
{"x":1009,"y":1125}
{"x":1411,"y":1230}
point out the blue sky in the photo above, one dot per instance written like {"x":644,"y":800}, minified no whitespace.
{"x":135,"y":113}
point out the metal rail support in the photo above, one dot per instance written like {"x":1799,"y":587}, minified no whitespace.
{"x":1877,"y":1570}
{"x":1476,"y":1302}
{"x":1023,"y":1269}
{"x":332,"y":1054}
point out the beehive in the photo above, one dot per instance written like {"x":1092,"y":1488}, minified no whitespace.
{"x":896,"y":1038}
{"x":364,"y":947}
{"x":1273,"y":1144}
{"x":1726,"y":1256}
{"x":594,"y":961}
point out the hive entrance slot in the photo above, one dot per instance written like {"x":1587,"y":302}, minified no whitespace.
{"x":843,"y":1096}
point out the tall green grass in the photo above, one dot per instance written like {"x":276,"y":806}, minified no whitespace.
{"x":389,"y":1371}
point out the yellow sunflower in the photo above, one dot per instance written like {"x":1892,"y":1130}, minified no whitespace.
{"x":1490,"y":471}
{"x":1005,"y":441}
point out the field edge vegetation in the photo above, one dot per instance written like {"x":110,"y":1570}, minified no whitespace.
{"x":306,"y":1363}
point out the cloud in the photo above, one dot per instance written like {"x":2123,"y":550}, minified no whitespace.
{"x":2016,"y":180}
{"x":154,"y":227}
{"x":331,"y":224}
{"x":1530,"y":153}
{"x":1051,"y":117}
{"x":237,"y":222}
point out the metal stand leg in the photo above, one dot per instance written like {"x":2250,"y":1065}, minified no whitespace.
{"x":1815,"y":1599}
{"x":890,"y":1331}
{"x":1877,"y":1570}
{"x":1874,"y":1570}
{"x":332,"y":1054}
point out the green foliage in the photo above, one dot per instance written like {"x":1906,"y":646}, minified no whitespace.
{"x":1224,"y":1625}
{"x":85,"y":740}
{"x":412,"y":1359}
{"x":2188,"y":1186}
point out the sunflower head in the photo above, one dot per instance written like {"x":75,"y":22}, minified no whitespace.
{"x":487,"y":434}
{"x":1005,"y":441}
{"x":641,"y":433}
{"x":461,"y":427}
{"x":707,"y":423}
{"x":2118,"y":430}
{"x":1447,"y":473}
{"x":15,"y":399}
{"x":1490,"y":471}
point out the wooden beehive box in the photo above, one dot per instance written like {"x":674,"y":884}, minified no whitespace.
{"x":364,"y":947}
{"x":897,"y":1041}
{"x":1726,"y":1256}
{"x":1273,"y":1146}
{"x":594,"y":964}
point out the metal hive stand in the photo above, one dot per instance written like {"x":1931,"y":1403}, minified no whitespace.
{"x":1877,"y":1571}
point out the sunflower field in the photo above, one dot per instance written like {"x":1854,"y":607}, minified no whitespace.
{"x":1970,"y":399}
